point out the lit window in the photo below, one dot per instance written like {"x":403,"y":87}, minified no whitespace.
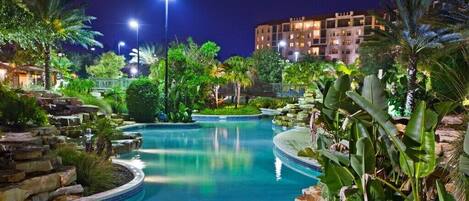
{"x":317,"y":24}
{"x":309,"y":43}
{"x":262,"y":38}
{"x":315,"y":51}
{"x":302,"y":45}
{"x":336,"y":42}
{"x":257,"y":46}
{"x":291,"y":44}
{"x":316,"y":34}
{"x":292,"y":36}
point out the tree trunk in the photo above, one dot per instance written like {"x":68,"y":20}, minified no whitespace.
{"x":216,"y":95}
{"x":238,"y":97}
{"x":411,"y":83}
{"x":108,"y":149}
{"x":100,"y":145}
{"x":47,"y":80}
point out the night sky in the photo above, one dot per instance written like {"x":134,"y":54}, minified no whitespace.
{"x":229,"y":23}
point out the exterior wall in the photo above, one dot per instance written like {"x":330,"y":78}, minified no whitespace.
{"x":334,"y":37}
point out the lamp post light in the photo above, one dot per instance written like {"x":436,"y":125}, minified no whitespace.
{"x":136,"y":26}
{"x":166,"y":73}
{"x":282,"y":43}
{"x":119,"y":45}
{"x":297,"y":55}
{"x":133,"y":71}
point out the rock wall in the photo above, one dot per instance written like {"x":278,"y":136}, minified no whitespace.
{"x":296,"y":114}
{"x":29,"y":171}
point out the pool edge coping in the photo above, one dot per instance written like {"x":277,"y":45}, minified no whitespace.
{"x":129,"y":189}
{"x":297,"y":159}
{"x":145,"y":125}
{"x":206,"y":117}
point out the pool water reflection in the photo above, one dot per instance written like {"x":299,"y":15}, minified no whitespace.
{"x":232,"y":161}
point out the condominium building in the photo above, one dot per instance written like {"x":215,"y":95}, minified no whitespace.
{"x":333,"y":37}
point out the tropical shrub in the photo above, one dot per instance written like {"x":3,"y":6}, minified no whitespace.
{"x":269,"y":65}
{"x":109,"y":66}
{"x":116,"y":98}
{"x":94,"y":173}
{"x":18,"y":112}
{"x":143,"y":100}
{"x":269,"y":103}
{"x":83,"y":86}
{"x":377,"y":163}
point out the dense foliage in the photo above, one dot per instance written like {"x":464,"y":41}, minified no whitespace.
{"x":269,"y":65}
{"x":19,"y":111}
{"x":143,"y":100}
{"x":270,"y":103}
{"x":109,"y":66}
{"x":93,"y":172}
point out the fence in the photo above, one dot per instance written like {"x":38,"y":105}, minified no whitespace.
{"x":258,"y":89}
{"x":104,"y":84}
{"x":268,"y":90}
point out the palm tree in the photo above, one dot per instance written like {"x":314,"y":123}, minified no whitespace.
{"x":218,"y":75}
{"x":241,"y":72}
{"x":413,"y":39}
{"x":62,"y":21}
{"x":149,"y":54}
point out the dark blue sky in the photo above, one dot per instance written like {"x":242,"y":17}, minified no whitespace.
{"x":230,"y":23}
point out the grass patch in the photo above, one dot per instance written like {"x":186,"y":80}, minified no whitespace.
{"x":231,"y":110}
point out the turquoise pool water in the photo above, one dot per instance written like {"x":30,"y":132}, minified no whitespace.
{"x":232,"y":161}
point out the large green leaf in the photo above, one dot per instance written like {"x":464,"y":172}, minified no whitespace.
{"x":380,"y":116}
{"x":358,"y":131}
{"x":364,"y":160}
{"x":419,"y":159}
{"x":337,"y":157}
{"x":335,"y":96}
{"x":375,"y":191}
{"x":335,"y":177}
{"x":374,"y":91}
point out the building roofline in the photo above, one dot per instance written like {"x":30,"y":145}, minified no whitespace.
{"x":321,"y":16}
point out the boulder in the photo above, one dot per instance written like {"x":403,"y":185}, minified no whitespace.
{"x":45,"y":131}
{"x":28,"y":153}
{"x":20,"y":138}
{"x":448,"y":135}
{"x":67,"y":198}
{"x":35,"y":166}
{"x":67,"y":175}
{"x":69,"y":190}
{"x":41,"y":184}
{"x":13,"y":193}
{"x":11,"y":176}
{"x":40,"y":197}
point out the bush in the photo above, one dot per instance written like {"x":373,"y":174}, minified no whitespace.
{"x":82,"y":86}
{"x":94,"y":173}
{"x":115,"y":97}
{"x":231,"y":110}
{"x":19,"y":112}
{"x":142,"y":100}
{"x":270,"y":103}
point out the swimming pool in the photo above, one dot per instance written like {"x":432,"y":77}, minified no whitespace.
{"x":229,"y":161}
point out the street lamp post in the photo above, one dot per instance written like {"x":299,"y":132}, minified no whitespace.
{"x":119,"y":45}
{"x":297,"y":55}
{"x":136,"y":26}
{"x":166,"y":74}
{"x":280,"y":44}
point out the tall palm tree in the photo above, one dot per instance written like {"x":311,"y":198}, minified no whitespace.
{"x":218,"y":75}
{"x":241,"y":72}
{"x":413,"y":39}
{"x":149,"y":54}
{"x":65,"y":22}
